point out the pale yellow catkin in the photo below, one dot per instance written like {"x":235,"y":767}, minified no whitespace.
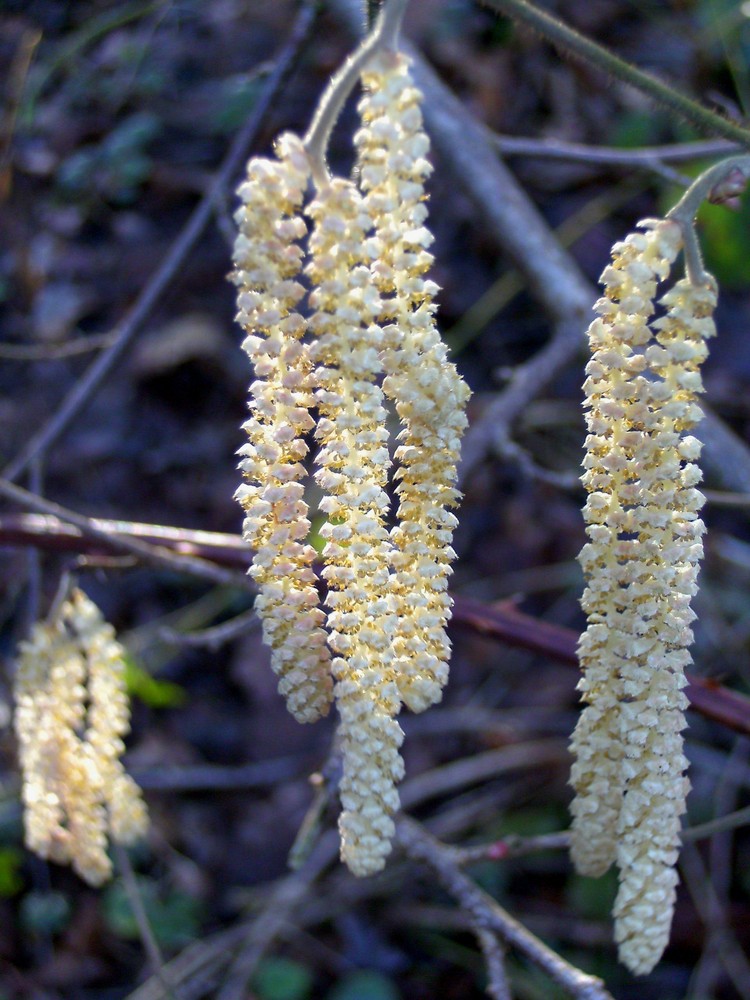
{"x":268,"y":262}
{"x":640,"y":565}
{"x":428,"y":394}
{"x":71,"y":715}
{"x":370,"y":334}
{"x":353,"y":472}
{"x":614,"y":416}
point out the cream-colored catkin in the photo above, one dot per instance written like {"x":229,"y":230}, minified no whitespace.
{"x":641,"y":565}
{"x":108,"y":720}
{"x":429,"y":395}
{"x":268,"y":261}
{"x":353,"y":466}
{"x":71,"y":713}
{"x":49,"y":693}
{"x":653,"y":678}
{"x":615,"y":416}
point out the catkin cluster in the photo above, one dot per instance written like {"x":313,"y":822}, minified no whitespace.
{"x":640,"y":565}
{"x":72,"y":713}
{"x":339,"y":316}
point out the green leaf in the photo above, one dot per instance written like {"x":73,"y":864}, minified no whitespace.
{"x":365,"y":984}
{"x":11,"y":882}
{"x":151,"y":691}
{"x":282,"y":979}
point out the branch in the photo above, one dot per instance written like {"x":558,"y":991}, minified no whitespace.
{"x":385,"y":34}
{"x":616,"y":156}
{"x":501,"y":621}
{"x":573,"y":43}
{"x":254,"y":937}
{"x":159,"y":555}
{"x":53,"y":534}
{"x":498,"y":986}
{"x":419,"y":845}
{"x":507,"y":623}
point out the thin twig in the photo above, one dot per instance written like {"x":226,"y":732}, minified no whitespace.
{"x":148,"y":939}
{"x":498,"y":986}
{"x":205,"y":959}
{"x":512,"y":846}
{"x":458,"y":774}
{"x":53,"y":534}
{"x":573,"y":44}
{"x":485,"y":912}
{"x":731,"y":821}
{"x":714,"y":918}
{"x":220,"y":778}
{"x":501,"y":621}
{"x":215,"y":636}
{"x":55,"y":352}
{"x":82,"y":392}
{"x":158,"y":555}
{"x":723,"y":498}
{"x":196,"y":965}
{"x":616,"y":156}
{"x":283,"y":901}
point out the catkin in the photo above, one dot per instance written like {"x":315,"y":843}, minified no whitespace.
{"x":72,"y":713}
{"x":615,"y":414}
{"x":370,"y":335}
{"x":429,"y":395}
{"x":652,"y":713}
{"x":353,"y":471}
{"x":640,"y":564}
{"x":268,"y":262}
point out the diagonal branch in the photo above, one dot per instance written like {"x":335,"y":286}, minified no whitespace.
{"x":573,"y":44}
{"x":486,"y":913}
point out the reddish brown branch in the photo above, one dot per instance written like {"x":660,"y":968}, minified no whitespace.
{"x":500,"y":621}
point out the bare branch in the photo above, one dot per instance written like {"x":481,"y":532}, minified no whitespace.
{"x":498,"y":986}
{"x":616,"y":156}
{"x":419,"y":845}
{"x":157,"y":554}
{"x":502,"y":621}
{"x":148,"y":939}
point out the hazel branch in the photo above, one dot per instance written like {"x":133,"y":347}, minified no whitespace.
{"x":723,"y":182}
{"x":384,"y":35}
{"x":419,"y":845}
{"x":574,"y":44}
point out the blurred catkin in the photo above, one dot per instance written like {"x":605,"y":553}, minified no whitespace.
{"x":72,"y":713}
